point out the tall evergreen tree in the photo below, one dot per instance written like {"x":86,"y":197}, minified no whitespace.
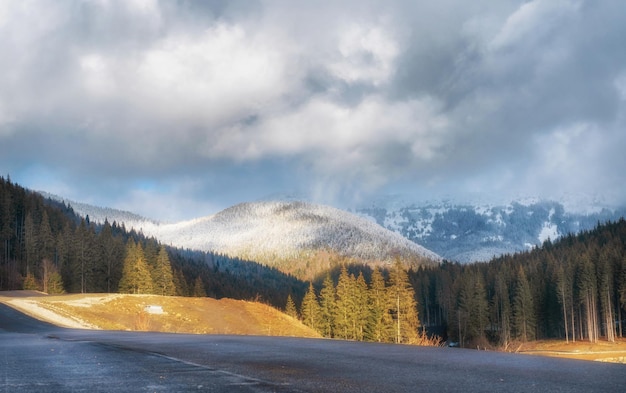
{"x":163,"y":277}
{"x":587,"y":289}
{"x":380,"y":324}
{"x":523,"y":309}
{"x":136,"y":278}
{"x":403,"y":305}
{"x":361,"y":307}
{"x":310,"y":309}
{"x":346,"y":308}
{"x":198,"y":288}
{"x":290,"y":308}
{"x":328,"y":307}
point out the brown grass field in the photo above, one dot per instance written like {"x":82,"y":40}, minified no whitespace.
{"x":143,"y":313}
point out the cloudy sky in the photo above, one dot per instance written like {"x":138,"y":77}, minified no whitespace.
{"x":177,"y":109}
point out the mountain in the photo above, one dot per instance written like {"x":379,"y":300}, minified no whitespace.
{"x":469,"y":233}
{"x":100,"y":214}
{"x":300,"y":238}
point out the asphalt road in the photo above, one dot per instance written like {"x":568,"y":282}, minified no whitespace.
{"x":38,"y":357}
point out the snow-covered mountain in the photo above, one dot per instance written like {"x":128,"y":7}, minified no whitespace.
{"x":280,"y":234}
{"x":268,"y":230}
{"x":468,"y":233}
{"x":271,"y":232}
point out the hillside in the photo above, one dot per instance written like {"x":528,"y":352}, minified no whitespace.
{"x":157,"y":313}
{"x":287,"y":235}
{"x":471,"y":233}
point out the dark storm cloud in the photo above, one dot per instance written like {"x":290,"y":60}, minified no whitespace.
{"x":183,"y":107}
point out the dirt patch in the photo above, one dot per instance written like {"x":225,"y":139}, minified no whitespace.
{"x":161,"y":313}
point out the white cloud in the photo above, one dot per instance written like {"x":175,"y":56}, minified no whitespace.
{"x":352,"y":95}
{"x":532,"y":21}
{"x":367,"y":55}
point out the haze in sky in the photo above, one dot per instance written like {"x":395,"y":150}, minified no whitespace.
{"x":177,"y":109}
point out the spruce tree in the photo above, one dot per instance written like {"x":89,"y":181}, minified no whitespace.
{"x":361,"y":307}
{"x":198,"y":288}
{"x":328,"y":307}
{"x":346,"y":309}
{"x":136,"y":278}
{"x":403,"y":305}
{"x":310,"y":309}
{"x":290,"y":308}
{"x":379,"y":325}
{"x":162,"y":274}
{"x":523,"y":309}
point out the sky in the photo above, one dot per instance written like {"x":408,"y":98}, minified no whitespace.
{"x":178,"y":109}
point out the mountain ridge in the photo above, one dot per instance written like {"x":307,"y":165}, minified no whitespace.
{"x":473,"y":233}
{"x":282,"y":234}
{"x":453,"y":230}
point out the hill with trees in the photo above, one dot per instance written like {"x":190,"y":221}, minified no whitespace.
{"x":44,"y":245}
{"x":298,"y":238}
{"x":573,"y":289}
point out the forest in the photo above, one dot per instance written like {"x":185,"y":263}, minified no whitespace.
{"x":573,"y":288}
{"x":45,"y":246}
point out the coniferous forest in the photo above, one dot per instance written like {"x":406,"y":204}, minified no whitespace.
{"x":45,"y":246}
{"x":574,"y":288}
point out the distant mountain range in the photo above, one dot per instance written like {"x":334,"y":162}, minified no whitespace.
{"x":470,"y":233}
{"x":274,"y":232}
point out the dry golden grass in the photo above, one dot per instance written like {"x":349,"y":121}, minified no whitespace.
{"x":602,"y":351}
{"x":180,"y":314}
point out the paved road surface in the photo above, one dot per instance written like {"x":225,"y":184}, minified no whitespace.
{"x":37,"y":357}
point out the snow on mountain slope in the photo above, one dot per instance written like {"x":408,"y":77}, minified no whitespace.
{"x":264,"y":231}
{"x":469,"y":233}
{"x":273,"y":232}
{"x":100,"y":214}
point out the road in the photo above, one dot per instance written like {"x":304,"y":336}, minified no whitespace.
{"x":38,"y":357}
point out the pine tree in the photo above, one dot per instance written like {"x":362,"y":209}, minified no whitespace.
{"x":111,"y":253}
{"x":587,"y":289}
{"x":346,"y":310}
{"x":380,"y":325}
{"x":290,"y":308}
{"x":310,"y":309}
{"x":361,"y":309}
{"x":163,"y":277}
{"x":30,"y":245}
{"x":523,"y":309}
{"x":403,"y":305}
{"x":180,"y":283}
{"x":30,"y":283}
{"x":502,"y":308}
{"x":198,"y":288}
{"x":564,"y":291}
{"x":136,"y":278}
{"x":328,"y":307}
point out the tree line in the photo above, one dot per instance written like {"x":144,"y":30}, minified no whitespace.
{"x":381,"y":309}
{"x":44,"y":245}
{"x":574,"y":289}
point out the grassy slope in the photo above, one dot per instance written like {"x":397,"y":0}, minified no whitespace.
{"x":180,"y":314}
